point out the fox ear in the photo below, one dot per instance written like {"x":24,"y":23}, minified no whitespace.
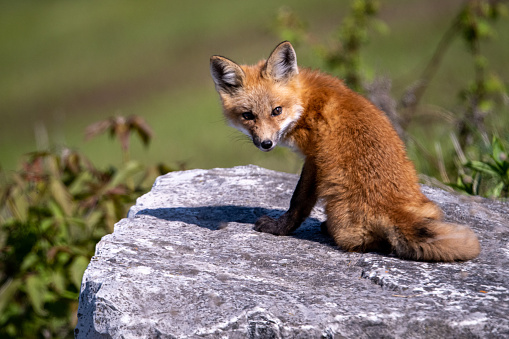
{"x":227,"y":75}
{"x":282,"y":63}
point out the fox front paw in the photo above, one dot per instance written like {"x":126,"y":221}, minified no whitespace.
{"x":267,"y":224}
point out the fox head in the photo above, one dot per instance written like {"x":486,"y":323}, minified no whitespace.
{"x":262,"y":100}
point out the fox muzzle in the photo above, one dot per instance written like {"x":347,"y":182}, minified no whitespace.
{"x":264,"y":145}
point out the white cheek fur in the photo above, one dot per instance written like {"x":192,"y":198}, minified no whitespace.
{"x":240,"y":128}
{"x":291,"y":120}
{"x":287,"y":125}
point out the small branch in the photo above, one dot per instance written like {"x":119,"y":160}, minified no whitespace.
{"x":414,"y":94}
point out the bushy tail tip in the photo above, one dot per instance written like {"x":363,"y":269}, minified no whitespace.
{"x":446,"y":242}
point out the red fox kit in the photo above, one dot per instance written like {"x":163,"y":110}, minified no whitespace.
{"x":354,"y":160}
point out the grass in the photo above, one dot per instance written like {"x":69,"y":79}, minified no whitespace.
{"x":65,"y":65}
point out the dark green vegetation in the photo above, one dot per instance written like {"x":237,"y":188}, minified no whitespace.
{"x":67,"y":64}
{"x":52,"y":214}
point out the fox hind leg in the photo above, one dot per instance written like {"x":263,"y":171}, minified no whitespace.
{"x":357,"y":238}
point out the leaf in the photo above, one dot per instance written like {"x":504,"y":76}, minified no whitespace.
{"x":76,"y":270}
{"x":55,"y":210}
{"x":486,"y":105}
{"x":483,"y":167}
{"x":494,"y":84}
{"x":127,"y":171}
{"x":61,"y":195}
{"x":79,"y":185}
{"x":97,"y":128}
{"x":18,"y":205}
{"x":36,"y":290}
{"x":484,"y":29}
{"x":58,"y":281}
{"x":142,"y":129}
{"x":496,"y":192}
{"x":458,"y":187}
{"x":52,"y":162}
{"x":381,"y":27}
{"x":109,"y":214}
{"x":29,"y":260}
{"x":498,"y":153}
{"x":8,"y":291}
{"x":46,"y":224}
{"x":92,"y":219}
{"x":70,"y":295}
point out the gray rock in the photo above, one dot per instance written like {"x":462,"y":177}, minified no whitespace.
{"x":186,"y":263}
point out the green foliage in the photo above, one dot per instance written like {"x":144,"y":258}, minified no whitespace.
{"x":290,"y":27}
{"x":475,"y":23}
{"x":52,"y":214}
{"x":121,"y":128}
{"x":344,"y":56}
{"x":488,"y":176}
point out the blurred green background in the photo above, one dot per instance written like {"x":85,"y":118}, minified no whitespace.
{"x":67,"y":64}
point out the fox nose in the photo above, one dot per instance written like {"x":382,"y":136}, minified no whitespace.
{"x":266,"y":144}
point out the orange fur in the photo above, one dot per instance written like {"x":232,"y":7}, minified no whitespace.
{"x":355,"y":160}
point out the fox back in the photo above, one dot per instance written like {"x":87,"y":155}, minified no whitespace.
{"x":354,"y":159}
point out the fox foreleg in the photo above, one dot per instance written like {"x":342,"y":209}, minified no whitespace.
{"x":303,"y":199}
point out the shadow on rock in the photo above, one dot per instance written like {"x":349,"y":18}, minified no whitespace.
{"x":218,"y":217}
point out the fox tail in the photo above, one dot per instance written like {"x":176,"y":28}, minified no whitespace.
{"x":436,"y":240}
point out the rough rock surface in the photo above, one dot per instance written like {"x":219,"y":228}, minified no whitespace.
{"x":186,"y":263}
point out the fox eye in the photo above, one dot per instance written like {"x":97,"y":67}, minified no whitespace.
{"x":248,"y":115}
{"x":277,"y":111}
